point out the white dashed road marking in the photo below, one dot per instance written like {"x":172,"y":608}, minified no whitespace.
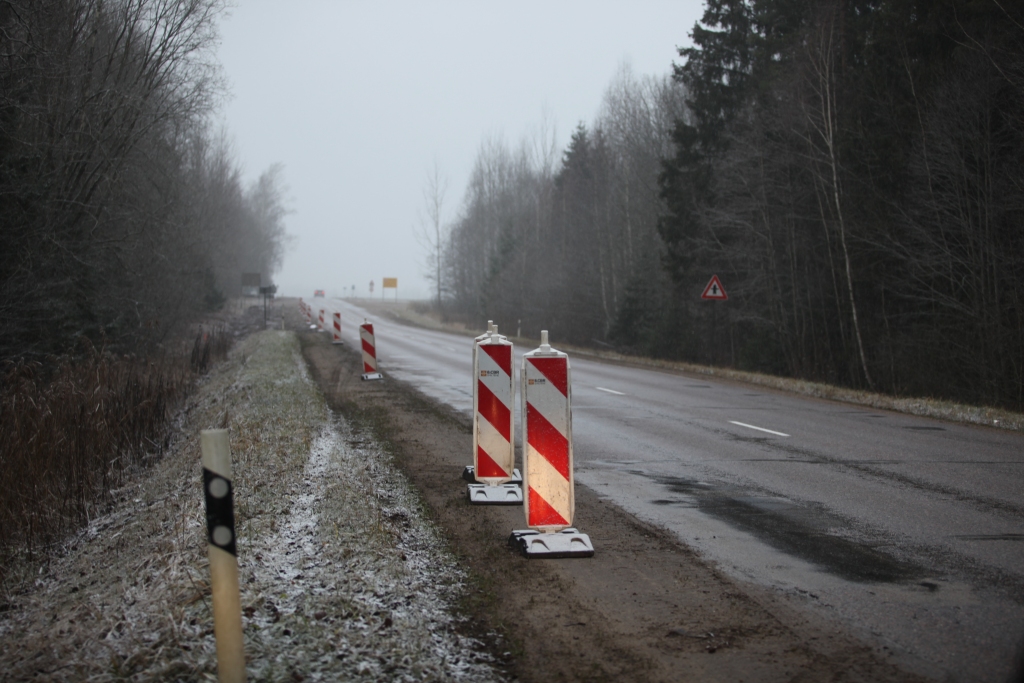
{"x":760,"y":429}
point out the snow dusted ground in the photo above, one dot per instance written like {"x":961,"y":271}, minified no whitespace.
{"x":342,"y":579}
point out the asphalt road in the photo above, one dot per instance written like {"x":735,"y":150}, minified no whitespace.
{"x":907,"y":530}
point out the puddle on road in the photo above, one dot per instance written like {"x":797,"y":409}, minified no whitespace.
{"x":990,"y":537}
{"x":792,"y":529}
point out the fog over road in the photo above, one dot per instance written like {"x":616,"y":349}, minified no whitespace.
{"x":910,"y":531}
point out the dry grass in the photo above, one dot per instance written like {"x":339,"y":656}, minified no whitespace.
{"x":341,"y":579}
{"x":73,"y":429}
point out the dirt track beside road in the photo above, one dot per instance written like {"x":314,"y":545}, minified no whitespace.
{"x":644,"y":608}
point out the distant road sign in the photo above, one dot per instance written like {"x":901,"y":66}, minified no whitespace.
{"x":714,"y":290}
{"x":250,"y":284}
{"x":389,"y":283}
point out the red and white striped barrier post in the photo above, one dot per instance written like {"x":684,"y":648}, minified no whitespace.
{"x":547,"y":457}
{"x":320,"y":322}
{"x":369,"y":344}
{"x":337,"y":329}
{"x":493,"y":423}
{"x":469,"y":473}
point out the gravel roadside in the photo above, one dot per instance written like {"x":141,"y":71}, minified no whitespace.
{"x":342,"y":578}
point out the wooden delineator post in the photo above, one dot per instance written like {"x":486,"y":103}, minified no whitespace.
{"x":220,"y":540}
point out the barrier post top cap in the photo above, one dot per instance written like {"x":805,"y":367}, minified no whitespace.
{"x":545,"y":349}
{"x":492,"y":339}
{"x":490,"y":330}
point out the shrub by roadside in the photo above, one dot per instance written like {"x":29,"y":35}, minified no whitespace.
{"x":74,"y":429}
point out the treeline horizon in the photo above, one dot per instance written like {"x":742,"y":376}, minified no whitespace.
{"x":124,"y":213}
{"x":851,"y":170}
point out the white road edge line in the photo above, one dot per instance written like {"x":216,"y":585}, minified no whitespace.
{"x":760,"y":429}
{"x":610,"y":391}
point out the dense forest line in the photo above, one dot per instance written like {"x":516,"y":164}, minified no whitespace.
{"x":851,"y":169}
{"x":123,"y":213}
{"x":123,"y":220}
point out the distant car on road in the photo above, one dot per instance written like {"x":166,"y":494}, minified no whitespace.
{"x":318,"y":292}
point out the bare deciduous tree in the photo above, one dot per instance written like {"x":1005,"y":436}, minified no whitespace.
{"x":115,"y":193}
{"x":432,"y":233}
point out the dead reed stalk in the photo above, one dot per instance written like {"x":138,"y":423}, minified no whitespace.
{"x":72,"y":430}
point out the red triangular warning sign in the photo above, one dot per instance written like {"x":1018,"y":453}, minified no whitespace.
{"x":714,"y":290}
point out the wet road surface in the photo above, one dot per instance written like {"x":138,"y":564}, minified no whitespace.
{"x":910,"y":531}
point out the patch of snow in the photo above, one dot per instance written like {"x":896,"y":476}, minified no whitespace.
{"x":377,"y":593}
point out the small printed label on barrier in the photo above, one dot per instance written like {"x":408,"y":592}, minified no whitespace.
{"x":489,"y":373}
{"x":531,"y":382}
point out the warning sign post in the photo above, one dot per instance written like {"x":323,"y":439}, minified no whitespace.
{"x":714,"y":290}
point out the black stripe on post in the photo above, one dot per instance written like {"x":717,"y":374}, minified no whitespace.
{"x":220,"y":511}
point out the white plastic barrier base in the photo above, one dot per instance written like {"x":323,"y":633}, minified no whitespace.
{"x":502,"y":494}
{"x":372,"y":375}
{"x":469,"y":474}
{"x":565,"y":543}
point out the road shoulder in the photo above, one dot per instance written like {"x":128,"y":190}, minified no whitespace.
{"x":645,"y":608}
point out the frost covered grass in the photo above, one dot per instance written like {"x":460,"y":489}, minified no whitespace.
{"x":342,"y":579}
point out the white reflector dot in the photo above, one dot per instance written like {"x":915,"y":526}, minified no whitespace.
{"x":221,"y":535}
{"x":218,"y":488}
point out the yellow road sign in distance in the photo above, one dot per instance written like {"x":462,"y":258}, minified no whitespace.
{"x":390,"y":283}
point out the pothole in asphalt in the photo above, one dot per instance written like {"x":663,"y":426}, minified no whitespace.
{"x":795,"y":530}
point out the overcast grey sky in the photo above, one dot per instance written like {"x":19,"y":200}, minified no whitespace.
{"x":357,"y":99}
